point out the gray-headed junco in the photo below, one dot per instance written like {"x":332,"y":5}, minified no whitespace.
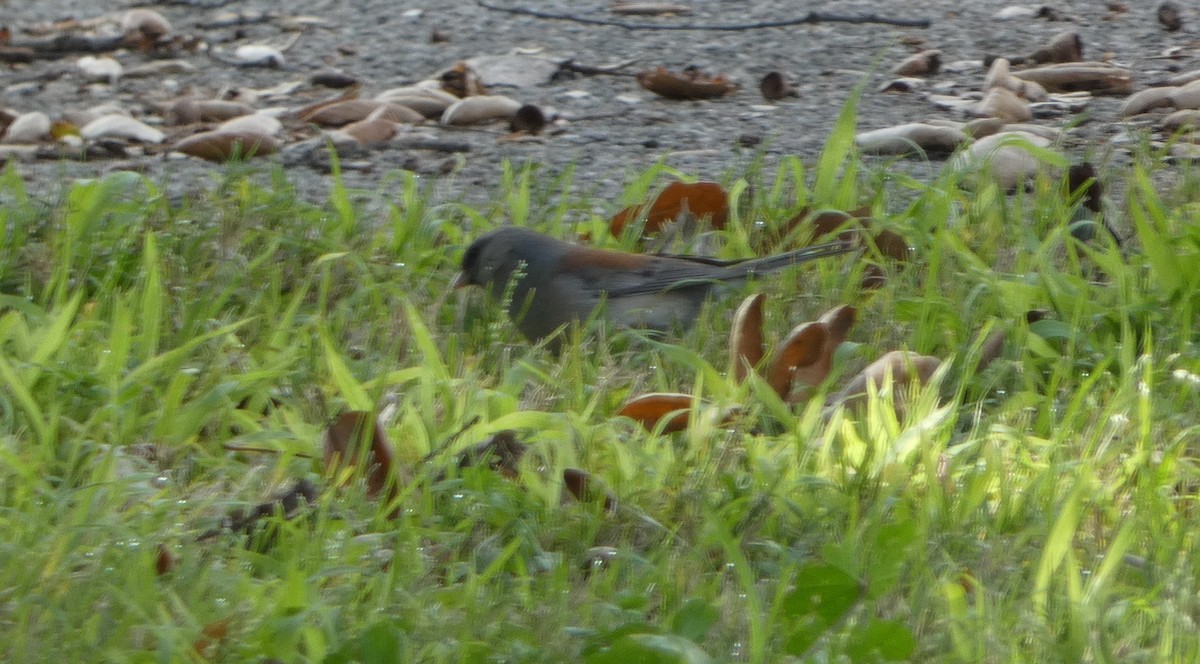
{"x":558,"y":282}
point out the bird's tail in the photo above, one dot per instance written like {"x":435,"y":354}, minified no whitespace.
{"x":753,"y":266}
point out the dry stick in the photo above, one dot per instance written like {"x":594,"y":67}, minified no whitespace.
{"x":811,"y":17}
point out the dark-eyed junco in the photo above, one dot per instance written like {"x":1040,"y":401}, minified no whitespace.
{"x":558,"y":282}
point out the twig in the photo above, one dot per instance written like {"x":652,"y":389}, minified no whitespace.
{"x":594,"y":70}
{"x":811,"y":17}
{"x":437,"y":451}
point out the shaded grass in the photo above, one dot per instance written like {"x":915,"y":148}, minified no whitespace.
{"x":1042,"y":510}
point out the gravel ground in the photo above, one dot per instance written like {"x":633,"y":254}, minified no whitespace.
{"x":612,"y":129}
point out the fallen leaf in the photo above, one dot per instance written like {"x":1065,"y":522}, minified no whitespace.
{"x":346,"y":445}
{"x":746,"y":337}
{"x":690,"y":84}
{"x":799,"y":350}
{"x":650,"y":409}
{"x":704,"y":200}
{"x":164,"y":560}
{"x":906,"y":368}
{"x":587,"y":489}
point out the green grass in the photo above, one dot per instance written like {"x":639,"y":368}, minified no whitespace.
{"x":1042,"y":510}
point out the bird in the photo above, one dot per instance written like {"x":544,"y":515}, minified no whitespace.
{"x":555,"y":283}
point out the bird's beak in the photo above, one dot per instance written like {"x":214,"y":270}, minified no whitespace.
{"x":460,"y":281}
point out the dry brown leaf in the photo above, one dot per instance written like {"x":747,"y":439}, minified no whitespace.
{"x":905,"y":367}
{"x":164,"y":560}
{"x":587,"y":489}
{"x":650,"y":409}
{"x":687,"y":85}
{"x":346,"y":446}
{"x":224,"y":145}
{"x":746,"y":337}
{"x":798,"y":351}
{"x":838,"y":322}
{"x":704,"y":200}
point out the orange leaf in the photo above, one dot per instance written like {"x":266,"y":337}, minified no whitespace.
{"x":800,"y":349}
{"x":686,"y":85}
{"x":746,"y":338}
{"x":344,"y":440}
{"x":650,"y":409}
{"x":587,"y":489}
{"x":702,"y":199}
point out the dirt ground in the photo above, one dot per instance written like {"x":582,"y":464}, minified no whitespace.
{"x":610,"y":128}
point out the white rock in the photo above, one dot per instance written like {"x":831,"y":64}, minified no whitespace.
{"x":1004,"y":156}
{"x":27,"y":128}
{"x":99,"y":69}
{"x":257,"y":55}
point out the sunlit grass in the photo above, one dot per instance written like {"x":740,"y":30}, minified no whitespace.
{"x":1041,"y":510}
